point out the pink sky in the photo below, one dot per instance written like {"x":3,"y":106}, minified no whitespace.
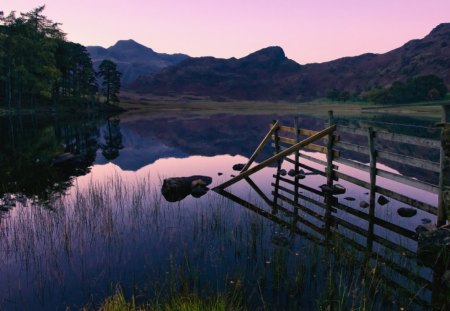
{"x":308,"y":30}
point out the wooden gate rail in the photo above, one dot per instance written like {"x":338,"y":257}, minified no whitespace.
{"x":278,"y":156}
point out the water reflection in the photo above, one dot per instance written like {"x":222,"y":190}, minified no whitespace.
{"x":112,"y":225}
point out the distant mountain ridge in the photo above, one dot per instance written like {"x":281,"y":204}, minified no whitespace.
{"x":269,"y":75}
{"x":133,"y":59}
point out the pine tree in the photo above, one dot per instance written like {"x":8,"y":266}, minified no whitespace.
{"x":111,"y":80}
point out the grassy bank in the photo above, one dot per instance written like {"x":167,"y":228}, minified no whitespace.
{"x":318,"y":107}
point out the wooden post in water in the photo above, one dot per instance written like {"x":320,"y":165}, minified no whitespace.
{"x":444,"y":178}
{"x":330,"y":155}
{"x":329,"y":199}
{"x":279,"y":162}
{"x":373,"y":184}
{"x":297,"y":159}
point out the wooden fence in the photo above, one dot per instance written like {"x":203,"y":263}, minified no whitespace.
{"x":327,"y":215}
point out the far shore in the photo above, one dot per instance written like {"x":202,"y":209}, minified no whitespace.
{"x":137,"y":104}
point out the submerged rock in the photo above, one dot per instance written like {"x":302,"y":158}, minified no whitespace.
{"x":335,"y":189}
{"x":177,"y":188}
{"x":238,"y":167}
{"x":382,"y":200}
{"x":406,"y":212}
{"x":425,"y":221}
{"x":364,"y":204}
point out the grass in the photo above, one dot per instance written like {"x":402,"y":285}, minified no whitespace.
{"x":192,"y":302}
{"x":135,"y":104}
{"x":194,"y":255}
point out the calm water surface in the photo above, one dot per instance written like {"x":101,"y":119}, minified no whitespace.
{"x":81,"y":227}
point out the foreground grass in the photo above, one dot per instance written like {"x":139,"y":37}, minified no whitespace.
{"x":118,"y":302}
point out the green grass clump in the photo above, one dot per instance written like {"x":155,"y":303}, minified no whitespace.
{"x":191,"y":302}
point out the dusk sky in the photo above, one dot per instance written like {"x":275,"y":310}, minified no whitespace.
{"x":308,"y":31}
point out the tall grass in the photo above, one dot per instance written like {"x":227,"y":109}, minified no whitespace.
{"x":176,"y":256}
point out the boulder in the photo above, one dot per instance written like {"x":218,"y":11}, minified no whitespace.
{"x":292,"y":172}
{"x":406,"y":212}
{"x":426,"y":221}
{"x":334,"y":189}
{"x":364,"y":204}
{"x":238,"y":167}
{"x":177,"y":188}
{"x":382,"y":200}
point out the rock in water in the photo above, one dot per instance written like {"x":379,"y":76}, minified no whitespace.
{"x":382,"y":200}
{"x":238,"y":167}
{"x":335,"y":189}
{"x":406,"y":212}
{"x":177,"y":188}
{"x":292,"y":172}
{"x":363,"y":204}
{"x":426,"y":221}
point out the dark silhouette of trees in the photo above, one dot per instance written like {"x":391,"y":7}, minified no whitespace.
{"x":420,"y":88}
{"x":110,"y":80}
{"x":113,"y":140}
{"x":37,"y":64}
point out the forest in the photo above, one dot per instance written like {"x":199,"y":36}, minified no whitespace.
{"x":39,"y":67}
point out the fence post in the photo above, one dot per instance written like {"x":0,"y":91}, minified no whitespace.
{"x":279,"y":162}
{"x":444,"y":177}
{"x":330,"y":150}
{"x":297,"y":159}
{"x":373,"y":184}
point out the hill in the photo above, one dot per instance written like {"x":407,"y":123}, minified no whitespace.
{"x":268,"y":74}
{"x":133,"y":59}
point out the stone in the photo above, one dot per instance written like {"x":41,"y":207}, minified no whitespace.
{"x":364,"y":204}
{"x":382,"y":200}
{"x":238,"y":167}
{"x":433,"y":246}
{"x":199,"y":191}
{"x":301,"y":175}
{"x":283,"y":172}
{"x":406,"y":212}
{"x":292,"y":172}
{"x":335,"y":189}
{"x":177,"y":188}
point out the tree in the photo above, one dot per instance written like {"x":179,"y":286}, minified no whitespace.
{"x":110,"y":80}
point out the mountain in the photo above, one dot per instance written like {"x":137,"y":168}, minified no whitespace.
{"x":133,"y":59}
{"x":260,"y":75}
{"x":269,"y":75}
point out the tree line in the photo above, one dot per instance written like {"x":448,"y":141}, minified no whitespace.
{"x":39,"y":66}
{"x":416,"y":89}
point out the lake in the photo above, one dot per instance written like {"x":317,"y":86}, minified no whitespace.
{"x":82,"y":215}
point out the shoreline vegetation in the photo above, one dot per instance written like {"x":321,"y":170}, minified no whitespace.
{"x":40,"y":70}
{"x":133,"y":103}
